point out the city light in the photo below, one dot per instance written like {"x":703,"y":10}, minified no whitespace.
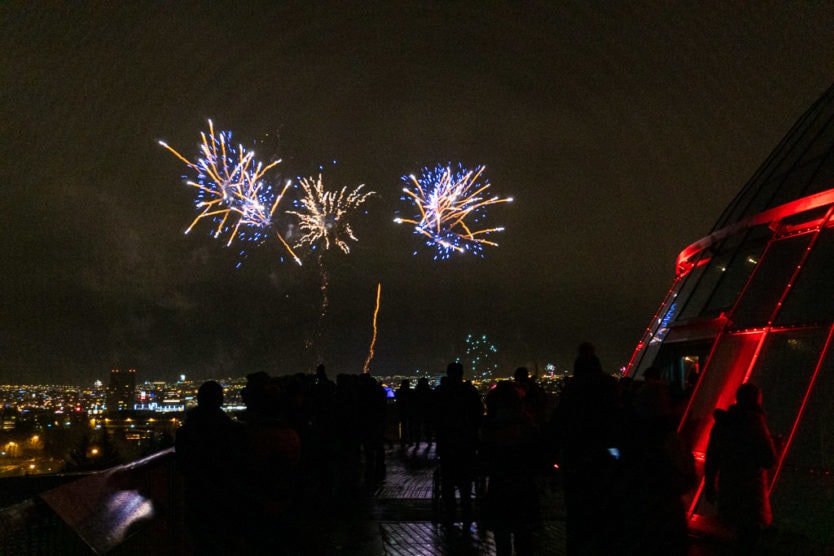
{"x":102,"y":438}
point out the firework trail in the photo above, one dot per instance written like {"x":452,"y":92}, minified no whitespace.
{"x":323,"y":215}
{"x":365,"y":369}
{"x":231,"y":189}
{"x":323,"y":220}
{"x":324,"y":282}
{"x":452,"y":204}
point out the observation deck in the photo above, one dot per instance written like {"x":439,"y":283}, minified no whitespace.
{"x":137,"y":509}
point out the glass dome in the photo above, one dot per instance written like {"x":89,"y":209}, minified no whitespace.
{"x":754,"y":301}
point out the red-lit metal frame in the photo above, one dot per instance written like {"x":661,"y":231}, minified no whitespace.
{"x":647,"y":335}
{"x":776,"y":214}
{"x":687,"y":260}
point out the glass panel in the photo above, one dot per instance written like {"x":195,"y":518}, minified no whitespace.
{"x":686,"y":290}
{"x":741,"y":206}
{"x":824,"y":178}
{"x":647,"y":358}
{"x":778,"y":264}
{"x":714,"y":272}
{"x":783,"y":371}
{"x":680,"y":366}
{"x":724,"y":373}
{"x":794,"y":185}
{"x":803,"y":493}
{"x":816,"y":122}
{"x":822,"y":142}
{"x":657,"y":330}
{"x":745,"y":261}
{"x":811,"y":299}
{"x":781,"y":178}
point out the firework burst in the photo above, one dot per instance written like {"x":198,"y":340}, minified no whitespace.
{"x":481,"y":356}
{"x":451,"y":205}
{"x":232,"y":190}
{"x":323,"y":215}
{"x":323,"y":221}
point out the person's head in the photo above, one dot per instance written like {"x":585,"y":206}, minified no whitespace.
{"x":320,"y":370}
{"x":521,"y":374}
{"x":210,"y":395}
{"x":454,"y":371}
{"x":749,"y":395}
{"x":586,"y":349}
{"x":253,"y":393}
{"x":504,"y":396}
{"x":587,"y":361}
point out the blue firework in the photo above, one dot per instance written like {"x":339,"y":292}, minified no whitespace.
{"x":451,"y":203}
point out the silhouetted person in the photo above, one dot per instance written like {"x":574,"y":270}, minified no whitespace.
{"x":321,"y":375}
{"x":739,"y":453}
{"x":657,"y":470}
{"x":208,"y":448}
{"x":533,"y":397}
{"x":372,"y":409}
{"x":320,"y":451}
{"x":652,"y":398}
{"x":510,"y":453}
{"x":271,"y":466}
{"x":459,"y":412}
{"x":586,"y":425}
{"x":423,"y":413}
{"x":405,"y":412}
{"x":347,"y":437}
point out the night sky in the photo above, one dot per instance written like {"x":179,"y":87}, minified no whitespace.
{"x":622,"y":130}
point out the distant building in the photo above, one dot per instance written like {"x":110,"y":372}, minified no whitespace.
{"x":754,"y":301}
{"x":121,"y":392}
{"x":161,"y":396}
{"x":8,"y":418}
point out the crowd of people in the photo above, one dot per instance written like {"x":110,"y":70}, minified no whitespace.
{"x":306,"y":444}
{"x":264,"y":482}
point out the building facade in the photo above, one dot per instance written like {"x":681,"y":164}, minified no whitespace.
{"x":754,"y":301}
{"x":121,"y":391}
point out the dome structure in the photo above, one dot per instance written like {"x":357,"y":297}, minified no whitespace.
{"x":754,"y":301}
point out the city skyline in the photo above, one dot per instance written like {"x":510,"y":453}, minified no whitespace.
{"x":621,"y":132}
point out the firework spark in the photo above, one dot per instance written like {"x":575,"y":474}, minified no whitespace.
{"x":365,"y":369}
{"x":452,"y":204}
{"x":232,"y":190}
{"x":481,"y":356}
{"x":323,"y":215}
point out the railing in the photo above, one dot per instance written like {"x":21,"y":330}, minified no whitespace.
{"x":128,"y":509}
